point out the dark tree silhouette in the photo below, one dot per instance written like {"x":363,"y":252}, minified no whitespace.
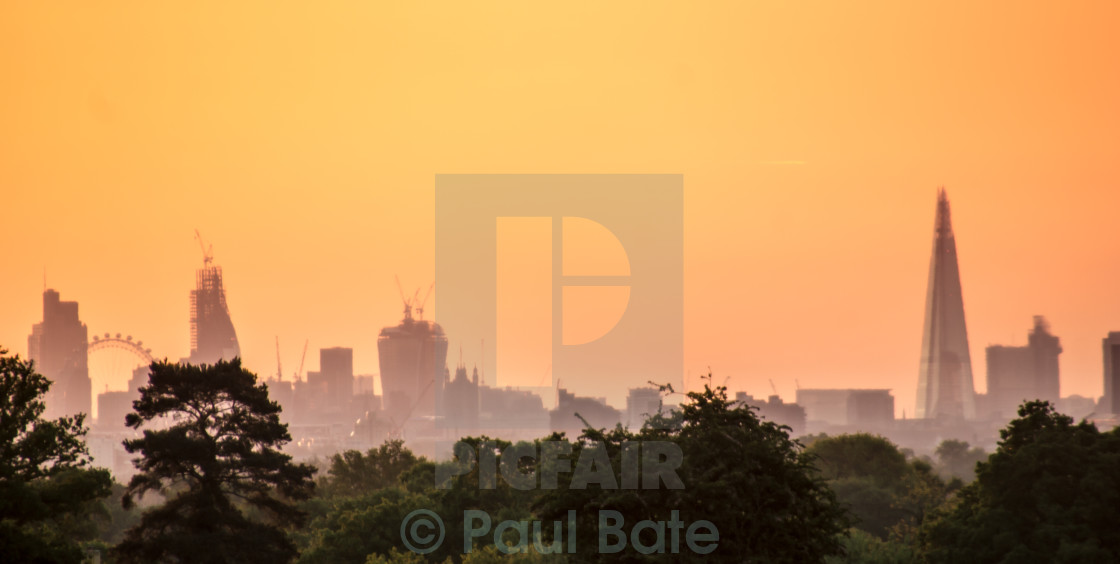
{"x":213,"y":452}
{"x":956,"y":459}
{"x":46,"y":491}
{"x":886,"y":495}
{"x":743,"y":474}
{"x":1050,"y":493}
{"x":351,"y":473}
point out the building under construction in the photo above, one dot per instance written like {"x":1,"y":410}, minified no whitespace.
{"x":212,"y":333}
{"x":413,"y":360}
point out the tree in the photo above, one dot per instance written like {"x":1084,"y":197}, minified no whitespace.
{"x":1050,"y":493}
{"x":368,"y":496}
{"x":360,"y":504}
{"x":885,"y":493}
{"x":354,"y":528}
{"x":956,"y":460}
{"x":744,"y":475}
{"x":214,"y":453}
{"x":861,"y":547}
{"x":351,"y":473}
{"x":47,"y":491}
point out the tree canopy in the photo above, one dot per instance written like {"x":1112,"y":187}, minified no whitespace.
{"x":212,"y":447}
{"x":47,"y":489}
{"x":743,"y":474}
{"x":955,"y":459}
{"x":886,"y":494}
{"x":1050,"y":493}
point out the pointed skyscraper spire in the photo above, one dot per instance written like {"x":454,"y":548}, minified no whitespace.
{"x":945,"y":381}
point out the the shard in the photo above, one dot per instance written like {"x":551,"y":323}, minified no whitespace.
{"x":945,"y":381}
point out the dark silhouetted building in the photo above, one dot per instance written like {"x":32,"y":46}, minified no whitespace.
{"x":945,"y":388}
{"x":413,"y":362}
{"x":1018,"y":374}
{"x":212,"y":333}
{"x":461,"y":402}
{"x":641,"y":404}
{"x":112,"y":407}
{"x":1111,"y":401}
{"x":335,"y":378}
{"x":774,"y":409}
{"x":1045,"y":349}
{"x":509,"y":412}
{"x":847,"y":407}
{"x":595,"y":411}
{"x":363,"y":384}
{"x":1077,"y":407}
{"x":59,"y":346}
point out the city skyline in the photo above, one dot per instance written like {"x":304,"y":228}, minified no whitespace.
{"x":305,"y":150}
{"x":209,"y":276}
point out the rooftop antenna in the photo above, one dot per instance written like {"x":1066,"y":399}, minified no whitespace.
{"x":482,"y":375}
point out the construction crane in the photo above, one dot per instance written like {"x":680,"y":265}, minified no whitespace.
{"x":207,"y":250}
{"x":279,"y":370}
{"x":773,"y":388}
{"x":301,"y":359}
{"x":420,"y":307}
{"x":407,"y":302}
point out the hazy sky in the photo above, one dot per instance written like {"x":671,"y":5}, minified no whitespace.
{"x":303,"y":138}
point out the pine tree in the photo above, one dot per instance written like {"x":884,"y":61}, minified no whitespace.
{"x":212,"y":449}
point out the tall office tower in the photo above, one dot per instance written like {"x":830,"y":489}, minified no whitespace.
{"x":1045,"y":348}
{"x":336,"y":368}
{"x":59,"y":347}
{"x":413,"y":361}
{"x":945,"y":379}
{"x":212,"y":334}
{"x":1018,"y":374}
{"x":1111,"y":401}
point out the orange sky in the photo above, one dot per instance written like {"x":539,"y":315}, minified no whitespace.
{"x":303,"y":140}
